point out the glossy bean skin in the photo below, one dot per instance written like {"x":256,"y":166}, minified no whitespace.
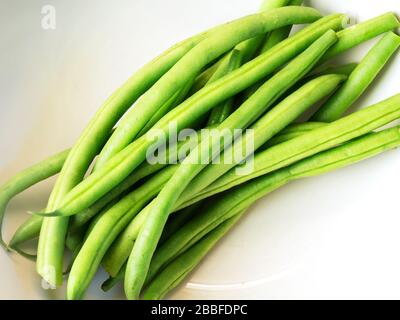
{"x":339,"y":131}
{"x":360,"y":79}
{"x":120,"y":166}
{"x":266,"y":127}
{"x":169,"y":268}
{"x":191,"y":64}
{"x":26,"y":179}
{"x":149,"y":235}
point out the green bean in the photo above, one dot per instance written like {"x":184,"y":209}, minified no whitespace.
{"x":150,"y":233}
{"x":228,"y":203}
{"x":29,"y":230}
{"x":279,"y":35}
{"x":178,"y":269}
{"x":25,"y":180}
{"x":112,"y":281}
{"x":362,"y":32}
{"x":292,"y":132}
{"x":120,"y":166}
{"x":171,"y":103}
{"x":190,"y":65}
{"x":345,"y":69}
{"x":265,"y":128}
{"x":221,"y":112}
{"x":316,"y":140}
{"x":359,"y":79}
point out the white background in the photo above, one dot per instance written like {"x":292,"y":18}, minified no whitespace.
{"x":334,"y":236}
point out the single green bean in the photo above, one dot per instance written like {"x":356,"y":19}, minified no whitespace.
{"x":246,"y":114}
{"x":221,"y":112}
{"x":120,"y":166}
{"x":359,"y":33}
{"x":240,"y":197}
{"x":25,"y":180}
{"x":360,"y":79}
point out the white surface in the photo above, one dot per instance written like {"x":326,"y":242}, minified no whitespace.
{"x":334,"y":236}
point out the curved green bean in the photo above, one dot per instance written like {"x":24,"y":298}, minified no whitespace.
{"x":359,"y":33}
{"x":360,"y":79}
{"x":25,"y":180}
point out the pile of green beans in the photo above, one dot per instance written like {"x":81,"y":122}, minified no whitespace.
{"x":150,"y":224}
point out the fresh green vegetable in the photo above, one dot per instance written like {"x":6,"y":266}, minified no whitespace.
{"x":26,"y":179}
{"x":149,"y":235}
{"x":359,"y":33}
{"x":190,"y":65}
{"x":330,"y":135}
{"x":265,"y":128}
{"x":360,"y":79}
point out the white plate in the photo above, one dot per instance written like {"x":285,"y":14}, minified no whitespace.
{"x":334,"y":236}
